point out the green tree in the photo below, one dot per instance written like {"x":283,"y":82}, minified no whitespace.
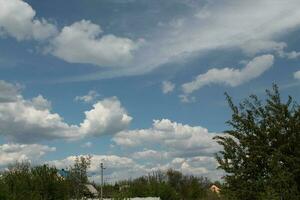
{"x":261,"y":151}
{"x":3,"y":189}
{"x":78,"y":176}
{"x":25,"y":182}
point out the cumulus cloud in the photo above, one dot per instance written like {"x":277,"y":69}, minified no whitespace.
{"x":117,"y":167}
{"x":90,"y":97}
{"x":10,"y":153}
{"x":230,"y":76}
{"x":150,"y":154}
{"x":297,"y":75}
{"x":167,"y":87}
{"x":82,"y":42}
{"x":17,"y":19}
{"x":176,"y":137}
{"x":106,"y":117}
{"x":120,"y":167}
{"x":32,"y":120}
{"x":167,"y":144}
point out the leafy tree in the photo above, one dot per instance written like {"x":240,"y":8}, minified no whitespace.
{"x":261,"y":151}
{"x":77,"y":176}
{"x":3,"y":189}
{"x":25,"y":182}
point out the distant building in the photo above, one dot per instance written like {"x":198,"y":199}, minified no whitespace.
{"x":91,"y":190}
{"x":63,"y":173}
{"x":215,"y":189}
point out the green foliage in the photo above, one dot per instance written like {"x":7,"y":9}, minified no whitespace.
{"x":77,"y":176}
{"x":261,"y":152}
{"x":23,"y":182}
{"x":171,"y":185}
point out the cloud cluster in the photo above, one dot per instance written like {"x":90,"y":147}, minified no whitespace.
{"x":120,"y":167}
{"x":222,"y":25}
{"x":17,"y":19}
{"x":230,"y":76}
{"x":31,"y":120}
{"x":10,"y":153}
{"x":81,"y":43}
{"x":165,"y":145}
{"x":117,"y":167}
{"x":229,"y":24}
{"x":178,"y":138}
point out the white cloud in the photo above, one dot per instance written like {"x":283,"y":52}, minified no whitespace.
{"x":227,"y":25}
{"x":106,"y":117}
{"x":290,"y":55}
{"x":17,"y":19}
{"x":120,"y":167}
{"x":230,"y":76}
{"x":90,"y":97}
{"x":177,"y":138}
{"x":216,"y":25}
{"x":10,"y":153}
{"x":198,"y":165}
{"x":8,"y":92}
{"x":150,"y":154}
{"x":297,"y":75}
{"x":167,"y":87}
{"x":117,"y":167}
{"x":32,"y":120}
{"x":81,"y":43}
{"x":253,"y":47}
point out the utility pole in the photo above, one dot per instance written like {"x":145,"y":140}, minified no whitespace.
{"x":101,"y":188}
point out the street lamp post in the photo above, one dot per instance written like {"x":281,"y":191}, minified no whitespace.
{"x":101,"y":188}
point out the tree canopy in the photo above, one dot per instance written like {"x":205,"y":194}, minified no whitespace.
{"x":261,"y":151}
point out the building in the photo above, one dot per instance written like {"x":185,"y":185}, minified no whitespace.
{"x":215,"y":189}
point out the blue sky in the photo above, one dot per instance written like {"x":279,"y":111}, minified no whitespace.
{"x":138,"y":84}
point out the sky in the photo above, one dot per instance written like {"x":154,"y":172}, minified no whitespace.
{"x":137,"y":84}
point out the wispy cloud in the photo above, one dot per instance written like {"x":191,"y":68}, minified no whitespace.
{"x":167,"y":87}
{"x":230,"y":76}
{"x":90,"y":97}
{"x":216,"y":25}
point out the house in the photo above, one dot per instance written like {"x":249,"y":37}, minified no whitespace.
{"x":91,"y":190}
{"x":215,"y":189}
{"x":62,"y":173}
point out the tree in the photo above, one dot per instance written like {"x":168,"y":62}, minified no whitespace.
{"x":22,"y":182}
{"x":78,"y":175}
{"x":261,"y":151}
